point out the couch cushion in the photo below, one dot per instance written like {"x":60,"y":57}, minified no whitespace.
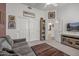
{"x":4,"y":53}
{"x":19,"y":40}
{"x":1,"y":41}
{"x":19,"y":44}
{"x":23,"y":50}
{"x":9,"y":40}
{"x":4,"y":44}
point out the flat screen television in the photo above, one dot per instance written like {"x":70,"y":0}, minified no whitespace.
{"x":73,"y":26}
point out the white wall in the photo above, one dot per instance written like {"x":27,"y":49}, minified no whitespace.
{"x":67,"y":13}
{"x":50,"y":34}
{"x":56,"y":26}
{"x":55,"y":32}
{"x":21,"y":30}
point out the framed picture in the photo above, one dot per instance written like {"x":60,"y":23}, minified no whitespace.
{"x":28,"y":14}
{"x":11,"y":25}
{"x":11,"y":18}
{"x":51,"y":15}
{"x":11,"y":22}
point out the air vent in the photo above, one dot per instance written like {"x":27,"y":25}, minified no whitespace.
{"x":29,"y":7}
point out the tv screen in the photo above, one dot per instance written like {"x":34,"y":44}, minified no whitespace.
{"x":73,"y":26}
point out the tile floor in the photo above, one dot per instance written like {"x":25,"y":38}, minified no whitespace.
{"x":66,"y":49}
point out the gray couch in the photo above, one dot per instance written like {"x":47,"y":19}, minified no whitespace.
{"x":5,"y":47}
{"x":22,"y":48}
{"x":17,"y":47}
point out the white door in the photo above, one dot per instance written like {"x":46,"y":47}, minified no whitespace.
{"x":22,"y":28}
{"x":33,"y":32}
{"x":28,"y":28}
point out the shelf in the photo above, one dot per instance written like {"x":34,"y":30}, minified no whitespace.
{"x":42,"y":29}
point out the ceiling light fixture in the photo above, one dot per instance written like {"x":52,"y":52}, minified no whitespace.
{"x":56,"y":21}
{"x":54,"y":4}
{"x":50,"y":23}
{"x":48,"y":3}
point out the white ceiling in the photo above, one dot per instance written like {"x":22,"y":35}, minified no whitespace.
{"x":43,"y":6}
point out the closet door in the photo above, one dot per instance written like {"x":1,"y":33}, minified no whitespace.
{"x":27,"y":30}
{"x":33,"y":33}
{"x":22,"y":28}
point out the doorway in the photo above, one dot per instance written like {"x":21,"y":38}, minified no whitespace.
{"x":31,"y":29}
{"x":50,"y":29}
{"x":28,"y":28}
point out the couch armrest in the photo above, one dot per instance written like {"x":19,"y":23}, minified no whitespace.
{"x":8,"y":50}
{"x":19,"y":40}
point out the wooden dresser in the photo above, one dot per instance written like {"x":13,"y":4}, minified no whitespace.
{"x":70,"y":40}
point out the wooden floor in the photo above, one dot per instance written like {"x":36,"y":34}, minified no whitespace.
{"x":46,"y":50}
